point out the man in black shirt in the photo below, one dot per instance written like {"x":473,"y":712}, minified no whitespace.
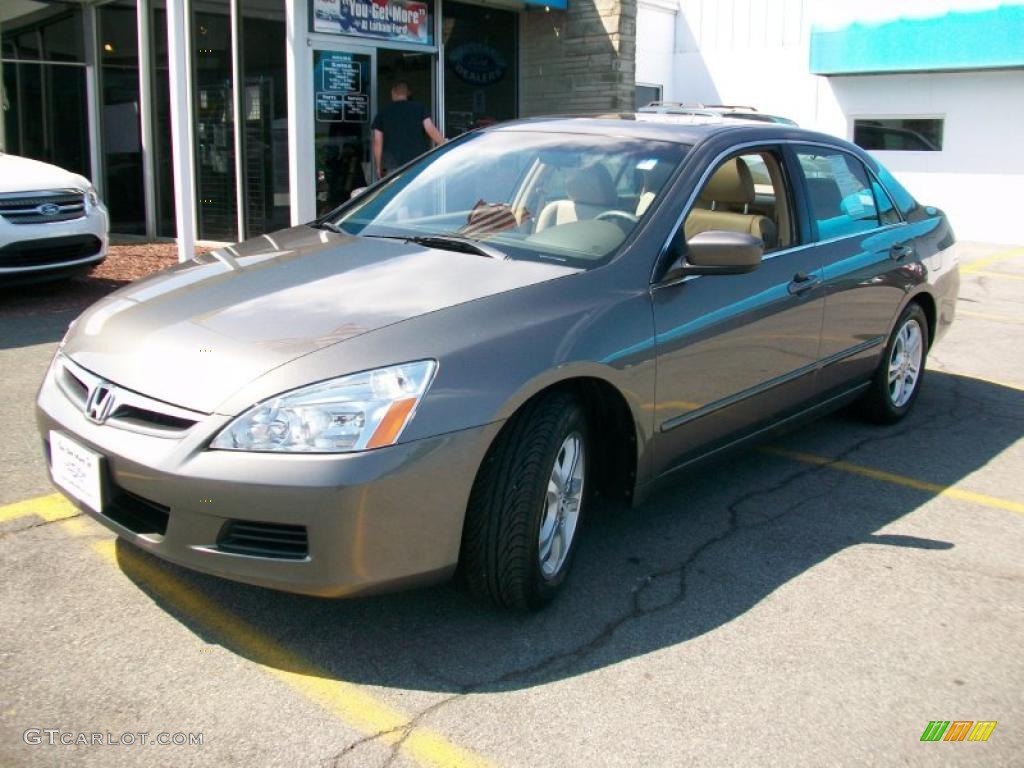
{"x":401,"y":131}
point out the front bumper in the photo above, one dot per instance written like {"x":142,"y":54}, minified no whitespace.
{"x":374,"y":521}
{"x":43,"y":250}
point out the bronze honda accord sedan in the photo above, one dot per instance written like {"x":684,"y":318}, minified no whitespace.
{"x":440,"y":375}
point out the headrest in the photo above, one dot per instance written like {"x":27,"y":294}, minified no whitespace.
{"x":731,"y":183}
{"x":655,"y":178}
{"x":592,"y":185}
{"x":826,"y":199}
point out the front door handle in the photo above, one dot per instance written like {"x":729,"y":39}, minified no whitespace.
{"x":900,"y":251}
{"x":803,"y":282}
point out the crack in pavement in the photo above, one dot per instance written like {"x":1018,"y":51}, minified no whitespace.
{"x":41,"y":524}
{"x":337,"y":759}
{"x":637,"y":609}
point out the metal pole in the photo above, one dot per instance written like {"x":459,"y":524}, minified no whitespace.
{"x":92,"y":98}
{"x":439,"y":64}
{"x":179,"y":47}
{"x":144,"y":15}
{"x":238,"y":107}
{"x":301,"y":152}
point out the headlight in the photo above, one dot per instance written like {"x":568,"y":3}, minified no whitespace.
{"x":92,"y":200}
{"x":351,"y":413}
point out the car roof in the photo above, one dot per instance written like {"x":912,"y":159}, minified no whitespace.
{"x":685,"y":129}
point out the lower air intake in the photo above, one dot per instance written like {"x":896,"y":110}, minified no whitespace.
{"x":241,"y":537}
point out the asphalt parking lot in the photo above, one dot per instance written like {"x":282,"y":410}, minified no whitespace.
{"x":814,"y":602}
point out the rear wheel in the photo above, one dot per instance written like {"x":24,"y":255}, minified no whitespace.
{"x":898,"y":379}
{"x":527,"y":504}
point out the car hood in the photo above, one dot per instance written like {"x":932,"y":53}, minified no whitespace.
{"x":19,"y":174}
{"x":196,"y":333}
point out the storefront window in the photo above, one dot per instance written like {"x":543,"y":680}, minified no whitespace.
{"x":265,"y":135}
{"x":166,"y":225}
{"x":122,"y":147}
{"x":480,"y":67}
{"x":214,"y":124}
{"x":44,"y":113}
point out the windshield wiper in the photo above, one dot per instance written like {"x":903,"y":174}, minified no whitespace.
{"x":329,"y":227}
{"x":450,"y":243}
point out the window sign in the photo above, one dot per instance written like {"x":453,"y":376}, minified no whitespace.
{"x":340,"y":87}
{"x":406,"y":21}
{"x":477,"y":63}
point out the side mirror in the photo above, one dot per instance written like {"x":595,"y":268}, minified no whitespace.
{"x":717,"y":252}
{"x":356,"y":192}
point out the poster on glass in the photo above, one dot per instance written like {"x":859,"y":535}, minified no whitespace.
{"x":406,"y":21}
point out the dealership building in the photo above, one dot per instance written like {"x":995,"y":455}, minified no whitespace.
{"x":225,"y":119}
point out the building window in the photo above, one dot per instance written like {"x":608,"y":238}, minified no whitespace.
{"x":480,"y":66}
{"x":904,"y":134}
{"x":645,"y":94}
{"x":43,"y":91}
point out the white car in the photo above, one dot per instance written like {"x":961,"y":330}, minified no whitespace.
{"x":52,"y":223}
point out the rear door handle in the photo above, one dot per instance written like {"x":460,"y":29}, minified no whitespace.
{"x":900,"y":250}
{"x":803,"y":282}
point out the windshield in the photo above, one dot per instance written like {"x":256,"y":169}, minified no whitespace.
{"x":526,"y":195}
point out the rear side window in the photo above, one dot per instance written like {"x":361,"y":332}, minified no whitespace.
{"x":886,"y":210}
{"x":841,"y":195}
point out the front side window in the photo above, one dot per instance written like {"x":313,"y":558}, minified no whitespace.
{"x":531,"y":195}
{"x":745,"y":193}
{"x":841,"y":197}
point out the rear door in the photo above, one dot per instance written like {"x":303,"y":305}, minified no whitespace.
{"x":735,"y":351}
{"x":865,"y":248}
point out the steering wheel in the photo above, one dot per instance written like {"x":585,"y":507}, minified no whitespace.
{"x":625,"y":221}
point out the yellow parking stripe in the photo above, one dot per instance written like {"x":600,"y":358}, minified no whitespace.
{"x":907,"y":482}
{"x":346,"y":701}
{"x":980,"y":264}
{"x":48,"y":508}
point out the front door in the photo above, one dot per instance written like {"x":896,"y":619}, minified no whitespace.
{"x":737,"y":350}
{"x":343,"y":108}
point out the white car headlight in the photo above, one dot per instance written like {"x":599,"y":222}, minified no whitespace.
{"x":92,"y":200}
{"x":350,"y":413}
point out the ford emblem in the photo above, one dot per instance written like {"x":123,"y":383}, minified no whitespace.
{"x":48,"y":209}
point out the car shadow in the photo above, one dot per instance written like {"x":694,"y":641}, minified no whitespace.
{"x":685,"y":563}
{"x":39,"y":313}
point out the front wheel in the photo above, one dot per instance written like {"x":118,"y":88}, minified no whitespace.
{"x":527,"y":505}
{"x":898,"y":379}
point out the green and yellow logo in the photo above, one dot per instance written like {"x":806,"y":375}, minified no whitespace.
{"x":958,"y":730}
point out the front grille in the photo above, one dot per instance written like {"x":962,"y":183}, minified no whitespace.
{"x":24,"y":207}
{"x":143,"y":417}
{"x":135,"y":513}
{"x":49,"y":250}
{"x":76,"y":388}
{"x":242,"y":537}
{"x":129,"y":410}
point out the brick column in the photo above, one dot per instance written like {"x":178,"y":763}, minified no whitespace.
{"x":579,"y":60}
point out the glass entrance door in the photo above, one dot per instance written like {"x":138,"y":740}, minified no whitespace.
{"x":415,"y":69}
{"x":342,"y":88}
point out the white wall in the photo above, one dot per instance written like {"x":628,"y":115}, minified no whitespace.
{"x":756,"y":52}
{"x":655,"y":26}
{"x":978,"y":177}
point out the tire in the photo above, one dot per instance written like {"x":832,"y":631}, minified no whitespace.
{"x":888,"y":400}
{"x":516,"y":499}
